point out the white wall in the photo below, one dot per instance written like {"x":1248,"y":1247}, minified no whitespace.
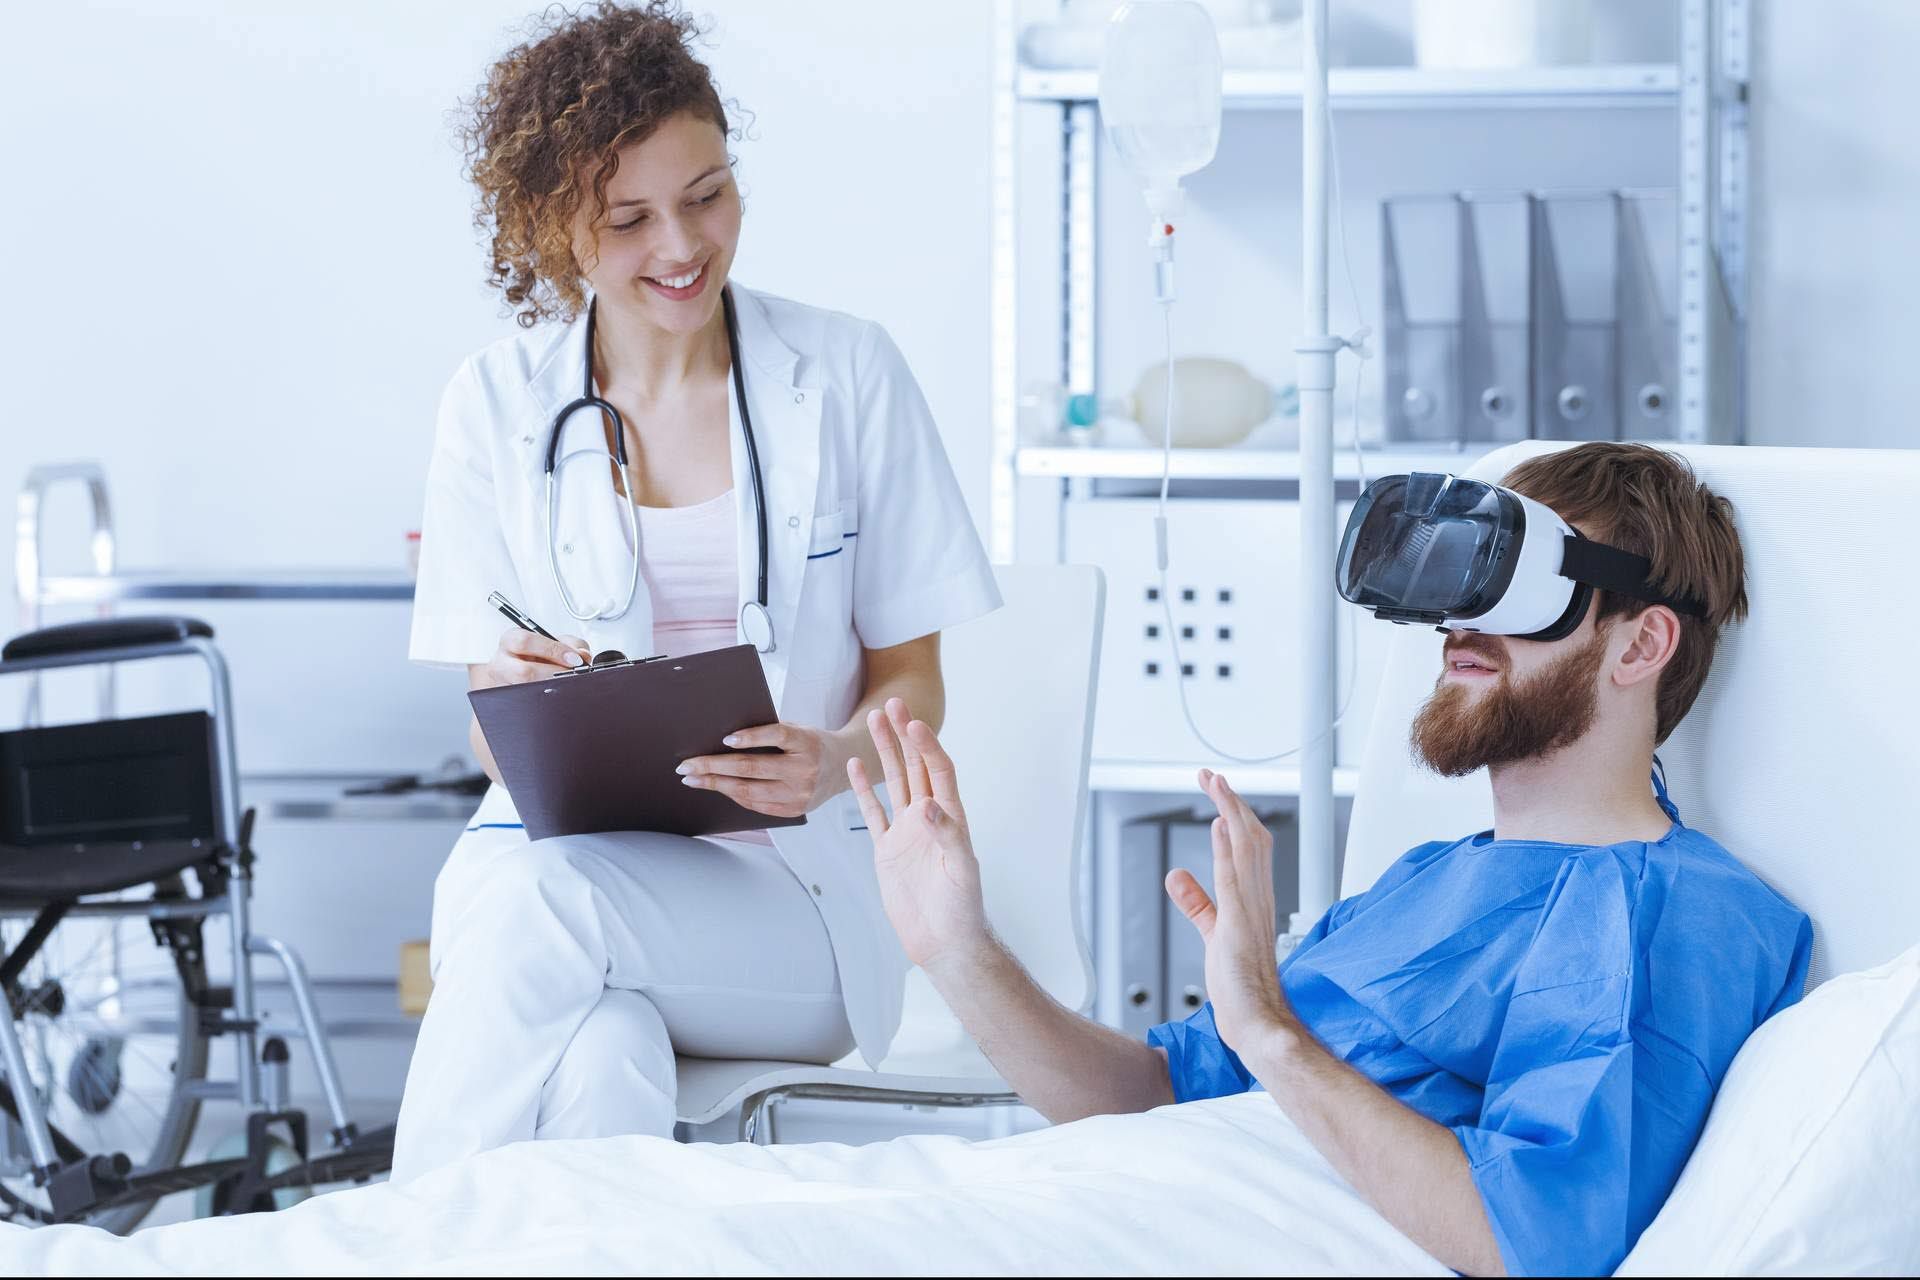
{"x":1836,"y":204}
{"x":241,"y":268}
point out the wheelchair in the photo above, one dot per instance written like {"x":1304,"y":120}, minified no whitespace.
{"x":123,"y":854}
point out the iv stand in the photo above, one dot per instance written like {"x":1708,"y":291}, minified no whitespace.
{"x":1314,"y":359}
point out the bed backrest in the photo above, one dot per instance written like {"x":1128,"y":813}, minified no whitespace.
{"x":1800,"y":755}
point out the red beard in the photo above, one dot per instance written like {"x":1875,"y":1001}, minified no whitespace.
{"x":1455,"y":733}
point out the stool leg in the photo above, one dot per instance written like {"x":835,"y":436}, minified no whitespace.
{"x":756,"y":1119}
{"x":313,"y":1029}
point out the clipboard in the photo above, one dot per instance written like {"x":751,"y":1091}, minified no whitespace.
{"x":595,"y":748}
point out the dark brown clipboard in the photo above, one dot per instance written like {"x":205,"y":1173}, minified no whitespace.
{"x":596,"y":749}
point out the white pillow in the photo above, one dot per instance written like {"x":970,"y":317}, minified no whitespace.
{"x":1810,"y":1163}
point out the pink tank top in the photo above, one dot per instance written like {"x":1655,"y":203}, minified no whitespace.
{"x":688,"y":556}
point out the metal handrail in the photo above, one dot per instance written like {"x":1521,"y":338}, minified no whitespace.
{"x":29,"y":564}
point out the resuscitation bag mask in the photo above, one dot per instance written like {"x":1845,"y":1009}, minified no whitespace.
{"x":1470,"y":556}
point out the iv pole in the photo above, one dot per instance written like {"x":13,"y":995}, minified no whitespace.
{"x":1314,"y":358}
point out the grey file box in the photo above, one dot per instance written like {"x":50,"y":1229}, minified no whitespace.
{"x":1455,"y":276}
{"x":1163,"y":962}
{"x":1551,"y":315}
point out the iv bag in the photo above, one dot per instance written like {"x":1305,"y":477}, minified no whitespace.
{"x":1160,"y":89}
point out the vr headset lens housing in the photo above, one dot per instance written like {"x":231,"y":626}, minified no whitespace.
{"x":1424,"y":547}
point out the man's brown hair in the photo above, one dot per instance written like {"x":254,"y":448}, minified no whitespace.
{"x":1648,"y":501}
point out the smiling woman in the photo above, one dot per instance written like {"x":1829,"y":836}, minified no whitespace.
{"x":679,"y":464}
{"x":528,"y":150}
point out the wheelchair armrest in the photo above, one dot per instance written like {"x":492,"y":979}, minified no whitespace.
{"x":101,"y":634}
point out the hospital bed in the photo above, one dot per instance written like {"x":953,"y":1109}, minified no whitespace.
{"x":1798,"y":756}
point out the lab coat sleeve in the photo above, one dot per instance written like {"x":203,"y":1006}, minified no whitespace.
{"x":919,"y":567}
{"x":463,"y":552}
{"x":1589,"y":1113}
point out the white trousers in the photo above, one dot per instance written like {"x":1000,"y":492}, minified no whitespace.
{"x":568,"y":972}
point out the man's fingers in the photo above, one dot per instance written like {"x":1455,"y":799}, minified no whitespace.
{"x":918,"y":785}
{"x":871,"y":809}
{"x":1193,"y":901}
{"x":1242,"y":825}
{"x":1226,"y":875}
{"x":881,"y":730}
{"x":941,"y":774}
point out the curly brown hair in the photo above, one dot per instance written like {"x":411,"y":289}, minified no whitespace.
{"x":542,"y":135}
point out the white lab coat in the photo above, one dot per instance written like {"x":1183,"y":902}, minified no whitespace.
{"x":871,"y":545}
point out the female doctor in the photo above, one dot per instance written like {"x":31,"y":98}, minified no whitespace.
{"x":569,"y":971}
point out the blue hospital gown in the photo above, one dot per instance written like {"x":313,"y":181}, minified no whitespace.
{"x":1567,"y":1011}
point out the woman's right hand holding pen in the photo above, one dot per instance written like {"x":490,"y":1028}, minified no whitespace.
{"x":522,"y":657}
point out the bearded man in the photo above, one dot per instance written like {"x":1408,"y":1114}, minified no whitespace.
{"x":1510,"y":1043}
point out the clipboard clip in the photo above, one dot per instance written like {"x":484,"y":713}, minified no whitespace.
{"x":607,"y":660}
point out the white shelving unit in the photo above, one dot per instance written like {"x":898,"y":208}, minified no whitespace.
{"x":1705,"y":93}
{"x":1070,"y":462}
{"x":1408,"y":88}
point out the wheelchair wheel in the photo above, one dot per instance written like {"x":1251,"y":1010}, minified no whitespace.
{"x":113,"y":1045}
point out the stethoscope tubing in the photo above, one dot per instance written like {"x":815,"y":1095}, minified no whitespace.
{"x":588,"y":400}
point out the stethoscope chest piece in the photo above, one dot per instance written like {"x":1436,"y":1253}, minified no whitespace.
{"x":756,"y":624}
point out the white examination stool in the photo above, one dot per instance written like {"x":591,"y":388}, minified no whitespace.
{"x":1019,"y":725}
{"x":1799,"y":755}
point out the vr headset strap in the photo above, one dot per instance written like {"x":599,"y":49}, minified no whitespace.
{"x":1622,"y":572}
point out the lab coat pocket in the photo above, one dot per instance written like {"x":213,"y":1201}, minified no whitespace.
{"x":825,"y":639}
{"x":830,"y":538}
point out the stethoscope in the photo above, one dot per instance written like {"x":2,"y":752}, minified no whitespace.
{"x":755,"y":622}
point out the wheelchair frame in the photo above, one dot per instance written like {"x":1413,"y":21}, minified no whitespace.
{"x":259,"y":1087}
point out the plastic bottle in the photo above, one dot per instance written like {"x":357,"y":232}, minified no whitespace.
{"x":1218,"y":403}
{"x":1160,"y":103}
{"x":1050,"y":414}
{"x":1160,"y":94}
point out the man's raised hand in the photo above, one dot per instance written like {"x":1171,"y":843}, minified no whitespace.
{"x":1238,"y":926}
{"x":923,"y":855}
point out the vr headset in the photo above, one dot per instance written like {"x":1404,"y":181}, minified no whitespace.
{"x":1470,"y":556}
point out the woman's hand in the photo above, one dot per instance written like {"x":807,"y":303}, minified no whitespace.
{"x":1243,"y":980}
{"x":929,"y":878}
{"x":522,"y":657}
{"x":800,"y":775}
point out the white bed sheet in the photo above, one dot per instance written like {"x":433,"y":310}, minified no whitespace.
{"x":1222,"y":1187}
